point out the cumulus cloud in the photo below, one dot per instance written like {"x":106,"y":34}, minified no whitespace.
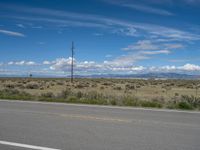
{"x":46,"y":62}
{"x":62,"y":64}
{"x":22,"y":63}
{"x":190,"y":67}
{"x":91,"y":67}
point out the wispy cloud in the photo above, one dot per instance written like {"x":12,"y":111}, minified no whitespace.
{"x":12,"y":33}
{"x":142,"y":45}
{"x":148,"y":9}
{"x":108,"y":56}
{"x":156,"y":52}
{"x":98,"y":34}
{"x":62,"y":19}
{"x":20,"y":25}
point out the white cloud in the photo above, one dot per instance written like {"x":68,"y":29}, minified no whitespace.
{"x":156,"y":52}
{"x":12,"y":33}
{"x":142,"y":45}
{"x":98,"y":34}
{"x":11,"y":63}
{"x":108,"y":56}
{"x":30,"y":63}
{"x":22,"y":63}
{"x":20,"y":25}
{"x":128,"y":31}
{"x":62,"y":19}
{"x":46,"y":62}
{"x":116,"y":66}
{"x":174,"y":46}
{"x":41,"y":43}
{"x":62,"y":64}
{"x":190,"y":67}
{"x":148,"y":9}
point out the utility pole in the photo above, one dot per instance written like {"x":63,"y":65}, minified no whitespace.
{"x":72,"y":62}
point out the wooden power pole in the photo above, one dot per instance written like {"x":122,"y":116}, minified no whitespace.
{"x":72,"y":63}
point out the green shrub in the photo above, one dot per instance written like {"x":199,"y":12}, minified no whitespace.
{"x":184,"y":105}
{"x":72,"y":99}
{"x":151,"y":104}
{"x":15,"y":94}
{"x":130,"y":101}
{"x":113,"y":102}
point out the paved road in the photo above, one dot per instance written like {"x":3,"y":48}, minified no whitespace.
{"x":74,"y":127}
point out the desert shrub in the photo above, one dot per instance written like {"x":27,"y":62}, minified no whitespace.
{"x":184,"y":105}
{"x":129,"y":87}
{"x":176,"y":94}
{"x":151,"y":104}
{"x":191,"y":100}
{"x":9,"y":92}
{"x":99,"y":101}
{"x":138,"y":86}
{"x":72,"y":99}
{"x":158,"y":99}
{"x":80,"y":86}
{"x":10,"y":86}
{"x":107,"y":83}
{"x":32,"y":85}
{"x":60,"y":83}
{"x":94,"y":85}
{"x":47,"y":95}
{"x":102,"y":87}
{"x":20,"y":85}
{"x":117,"y":88}
{"x":130,"y":101}
{"x":15,"y":94}
{"x":113,"y":102}
{"x":79,"y":94}
{"x":64,"y":94}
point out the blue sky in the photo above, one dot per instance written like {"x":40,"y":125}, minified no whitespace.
{"x":111,"y":36}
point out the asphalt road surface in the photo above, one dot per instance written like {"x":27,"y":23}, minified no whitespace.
{"x":52,"y":126}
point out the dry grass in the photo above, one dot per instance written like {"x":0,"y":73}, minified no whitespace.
{"x":131,"y":92}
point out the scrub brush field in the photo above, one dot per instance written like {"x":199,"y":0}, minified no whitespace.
{"x":171,"y":94}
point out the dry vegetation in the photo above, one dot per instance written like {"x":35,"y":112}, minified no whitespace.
{"x":174,"y":94}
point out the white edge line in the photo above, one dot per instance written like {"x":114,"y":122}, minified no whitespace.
{"x":26,"y":146}
{"x":101,"y":106}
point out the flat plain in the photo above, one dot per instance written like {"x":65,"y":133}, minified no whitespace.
{"x":172,"y":94}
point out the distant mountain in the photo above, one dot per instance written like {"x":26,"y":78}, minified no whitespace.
{"x":126,"y":76}
{"x":145,"y":76}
